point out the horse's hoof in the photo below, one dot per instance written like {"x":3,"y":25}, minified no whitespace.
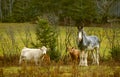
{"x":80,"y":64}
{"x":86,"y":65}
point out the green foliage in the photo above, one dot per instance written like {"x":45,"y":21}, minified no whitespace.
{"x":20,"y":11}
{"x":47,"y":36}
{"x":79,"y":11}
{"x":113,"y":37}
{"x":28,"y":10}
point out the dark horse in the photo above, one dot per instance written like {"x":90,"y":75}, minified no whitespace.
{"x":85,"y":44}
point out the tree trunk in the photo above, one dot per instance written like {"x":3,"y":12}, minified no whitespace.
{"x":0,"y":10}
{"x":5,"y":9}
{"x":10,"y":6}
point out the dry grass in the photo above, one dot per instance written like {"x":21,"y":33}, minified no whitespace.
{"x":59,"y":70}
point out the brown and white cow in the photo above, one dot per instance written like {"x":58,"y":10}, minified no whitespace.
{"x":74,"y":53}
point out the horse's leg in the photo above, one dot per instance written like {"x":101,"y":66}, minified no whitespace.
{"x":97,"y":56}
{"x":85,"y":58}
{"x":93,"y":57}
{"x":81,"y":58}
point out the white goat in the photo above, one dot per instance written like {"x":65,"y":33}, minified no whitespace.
{"x":35,"y":54}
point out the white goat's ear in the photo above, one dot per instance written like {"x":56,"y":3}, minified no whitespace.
{"x":25,"y":47}
{"x":44,"y":48}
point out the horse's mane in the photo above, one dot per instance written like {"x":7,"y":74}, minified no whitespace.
{"x":84,"y":42}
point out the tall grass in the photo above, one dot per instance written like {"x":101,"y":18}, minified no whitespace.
{"x":11,"y":41}
{"x":15,"y":36}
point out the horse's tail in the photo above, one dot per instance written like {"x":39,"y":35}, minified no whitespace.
{"x":99,"y":49}
{"x":100,"y":43}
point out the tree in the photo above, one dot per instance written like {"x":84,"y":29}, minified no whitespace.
{"x":47,"y":36}
{"x":0,"y":10}
{"x":20,"y":11}
{"x":80,"y":11}
{"x":104,"y":7}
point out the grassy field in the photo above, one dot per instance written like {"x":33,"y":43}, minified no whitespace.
{"x":14,"y":36}
{"x":24,"y":33}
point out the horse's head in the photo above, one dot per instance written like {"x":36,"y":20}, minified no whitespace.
{"x":80,"y":33}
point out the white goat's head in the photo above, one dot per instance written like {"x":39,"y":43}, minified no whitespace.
{"x":44,"y":49}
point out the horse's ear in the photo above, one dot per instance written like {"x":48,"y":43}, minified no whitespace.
{"x":79,"y":27}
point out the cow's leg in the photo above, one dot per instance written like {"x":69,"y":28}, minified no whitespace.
{"x":85,"y":58}
{"x":81,"y":63}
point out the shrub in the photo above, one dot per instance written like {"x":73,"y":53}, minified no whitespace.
{"x":113,"y":38}
{"x":115,"y":52}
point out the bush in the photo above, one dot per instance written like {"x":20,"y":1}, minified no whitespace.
{"x":115,"y":52}
{"x":113,"y":38}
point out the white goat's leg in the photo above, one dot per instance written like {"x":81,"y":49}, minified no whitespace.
{"x":36,"y":61}
{"x":85,"y":59}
